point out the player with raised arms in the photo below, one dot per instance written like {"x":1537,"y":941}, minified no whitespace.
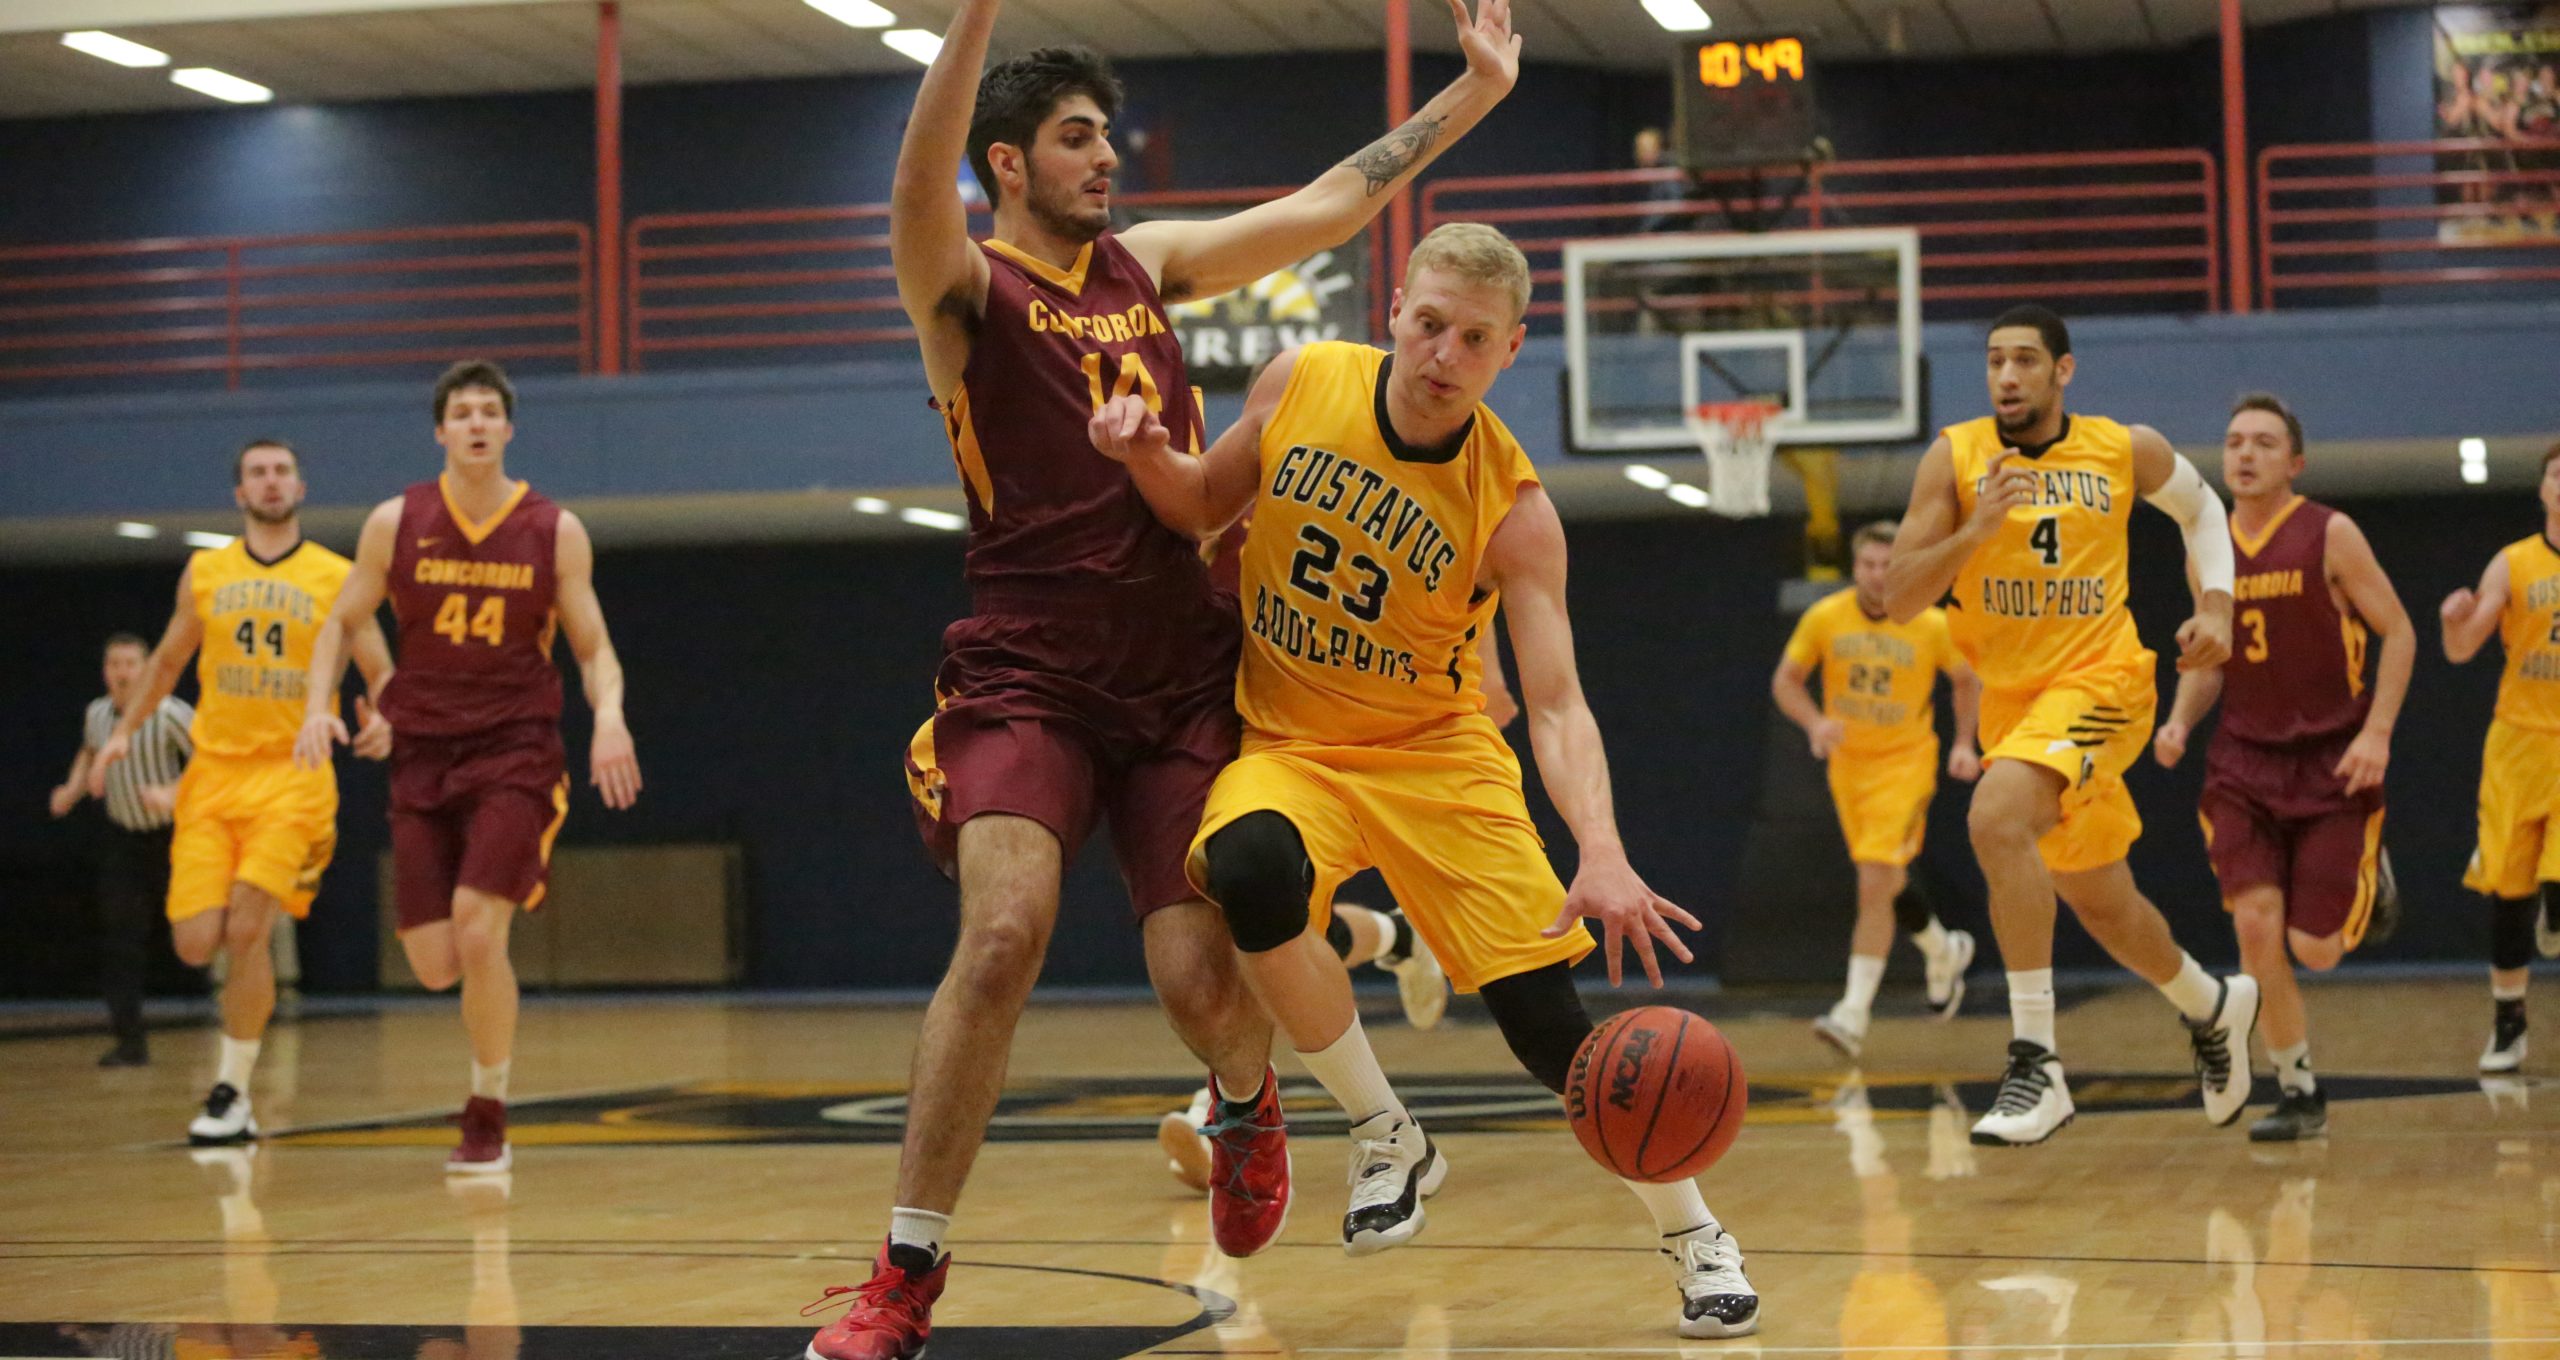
{"x":1094,"y":679}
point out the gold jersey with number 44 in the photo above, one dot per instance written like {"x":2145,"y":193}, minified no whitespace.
{"x":1359,"y":577}
{"x":2046,"y":596}
{"x":260,"y":619}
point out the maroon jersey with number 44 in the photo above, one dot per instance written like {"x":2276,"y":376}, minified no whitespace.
{"x":1046,"y":509}
{"x":476,"y":604}
{"x":2297,"y":664}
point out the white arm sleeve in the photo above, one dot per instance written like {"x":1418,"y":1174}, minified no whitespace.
{"x":2186,"y":499}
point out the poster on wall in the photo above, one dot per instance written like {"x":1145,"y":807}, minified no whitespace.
{"x":2497,"y":76}
{"x":1325,"y":296}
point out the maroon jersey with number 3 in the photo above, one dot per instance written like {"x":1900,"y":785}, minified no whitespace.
{"x":476,"y":604}
{"x":2296,"y":672}
{"x":1054,"y":344}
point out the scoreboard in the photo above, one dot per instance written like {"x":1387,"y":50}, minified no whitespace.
{"x":1744,"y":102}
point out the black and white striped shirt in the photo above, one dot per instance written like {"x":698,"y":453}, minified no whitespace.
{"x":159,"y":754}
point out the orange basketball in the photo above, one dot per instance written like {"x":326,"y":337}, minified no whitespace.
{"x":1656,"y":1094}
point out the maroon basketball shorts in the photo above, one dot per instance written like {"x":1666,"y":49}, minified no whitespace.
{"x":477,"y":811}
{"x":1068,"y":707}
{"x":2280,"y":817}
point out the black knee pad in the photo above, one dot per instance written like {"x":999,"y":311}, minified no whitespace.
{"x":1911,"y":910}
{"x":1337,"y":933}
{"x":1261,"y":878}
{"x":1541,"y":1017}
{"x":2511,"y":931}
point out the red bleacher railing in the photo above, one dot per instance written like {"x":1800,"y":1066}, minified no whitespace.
{"x":2449,"y":217}
{"x":814,"y":280}
{"x":236,"y":305}
{"x":2094,"y":229}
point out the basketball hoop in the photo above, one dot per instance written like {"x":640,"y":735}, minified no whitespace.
{"x":1737,"y":438}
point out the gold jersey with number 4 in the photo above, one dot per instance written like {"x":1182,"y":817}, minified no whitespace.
{"x":2519,"y":845}
{"x":2046,"y":596}
{"x":1360,"y":693}
{"x":260,"y":619}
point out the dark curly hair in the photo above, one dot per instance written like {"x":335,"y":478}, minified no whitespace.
{"x":1017,"y":96}
{"x":475,"y":373}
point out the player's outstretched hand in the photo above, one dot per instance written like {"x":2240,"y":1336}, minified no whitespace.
{"x":1629,"y":913}
{"x":1964,"y":763}
{"x":320,"y":731}
{"x":2366,"y":758}
{"x":1492,"y":49}
{"x":117,"y":748}
{"x":66,"y":796}
{"x":2204,"y":641}
{"x":1824,"y":737}
{"x":2169,"y":744}
{"x":1125,"y":428}
{"x":614,"y":765}
{"x":373,"y":731}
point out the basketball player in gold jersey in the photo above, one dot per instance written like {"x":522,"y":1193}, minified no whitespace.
{"x":2018,"y":524}
{"x":2518,"y":856}
{"x":254,"y":831}
{"x":1392,"y":515}
{"x":1875,"y":732}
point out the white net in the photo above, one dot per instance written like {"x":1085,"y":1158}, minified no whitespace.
{"x":1737,"y":441}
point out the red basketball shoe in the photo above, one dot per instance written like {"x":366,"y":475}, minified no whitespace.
{"x":484,"y":1149}
{"x":892,"y":1313}
{"x":1248,"y":1170}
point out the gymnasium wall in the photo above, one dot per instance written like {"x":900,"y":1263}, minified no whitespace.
{"x":774,"y":689}
{"x":1209,"y":122}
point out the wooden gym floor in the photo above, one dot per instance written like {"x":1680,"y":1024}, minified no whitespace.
{"x":689,"y":1173}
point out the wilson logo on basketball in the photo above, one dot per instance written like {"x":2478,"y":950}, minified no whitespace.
{"x":1629,"y":1069}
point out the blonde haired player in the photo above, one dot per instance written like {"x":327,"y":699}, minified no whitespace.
{"x":1874,"y":731}
{"x":2018,"y":521}
{"x":1392,"y":515}
{"x":254,"y":831}
{"x":2518,"y":855}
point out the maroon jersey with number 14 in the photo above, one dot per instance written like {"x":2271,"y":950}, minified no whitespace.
{"x":2297,"y":664}
{"x":477,"y":608}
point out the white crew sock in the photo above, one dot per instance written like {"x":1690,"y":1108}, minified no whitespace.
{"x":2031,"y":1006}
{"x":1349,"y":1072}
{"x":491,"y":1081}
{"x":2195,"y":992}
{"x":2293,"y":1068}
{"x":919,"y":1228}
{"x":1678,"y":1209}
{"x":238,"y":1056}
{"x":2499,"y":991}
{"x":1932,"y":938}
{"x":1865,"y":974}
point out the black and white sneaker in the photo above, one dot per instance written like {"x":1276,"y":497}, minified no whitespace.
{"x":2297,"y":1115}
{"x":2385,"y":921}
{"x":226,"y":1118}
{"x":1716,"y":1299}
{"x":2222,"y":1049}
{"x":1394,"y":1167}
{"x":2505,"y":1052}
{"x":2033,"y":1103}
{"x":1945,"y":974}
{"x":2546,"y":931}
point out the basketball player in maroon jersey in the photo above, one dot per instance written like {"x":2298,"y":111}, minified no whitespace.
{"x":481,"y":569}
{"x":1095,"y":678}
{"x":2292,"y":803}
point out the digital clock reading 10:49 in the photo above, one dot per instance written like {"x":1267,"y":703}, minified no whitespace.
{"x":1745,"y":101}
{"x":1725,"y":65}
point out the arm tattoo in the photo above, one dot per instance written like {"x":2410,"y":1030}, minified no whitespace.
{"x":1385,"y":160}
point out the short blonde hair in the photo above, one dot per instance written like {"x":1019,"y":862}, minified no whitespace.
{"x":1875,"y":531}
{"x":1476,"y":253}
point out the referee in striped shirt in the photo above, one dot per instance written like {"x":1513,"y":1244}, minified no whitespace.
{"x":142,"y":800}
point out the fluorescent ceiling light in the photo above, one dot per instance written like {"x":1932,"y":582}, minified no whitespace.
{"x":933,"y":519}
{"x":1680,"y":16}
{"x":2474,"y":450}
{"x":198,"y":538}
{"x":129,"y":529}
{"x":109,"y":47}
{"x":870,"y":505}
{"x":2475,"y":474}
{"x":1687,"y":495}
{"x":1650,"y":478}
{"x":920,"y":43}
{"x":854,"y":13}
{"x":221,"y":85}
